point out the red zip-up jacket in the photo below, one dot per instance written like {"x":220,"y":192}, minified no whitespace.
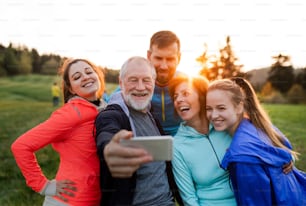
{"x":70,"y":131}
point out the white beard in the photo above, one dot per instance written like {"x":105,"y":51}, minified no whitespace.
{"x":138,"y":105}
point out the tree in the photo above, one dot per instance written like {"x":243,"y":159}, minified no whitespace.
{"x":50,"y":66}
{"x":111,"y":75}
{"x":296,"y":94}
{"x":301,"y":78}
{"x":228,"y":61}
{"x":267,"y":89}
{"x":281,"y":74}
{"x":25,"y":62}
{"x":222,"y":66}
{"x":209,"y":64}
{"x":3,"y":72}
{"x":36,"y":67}
{"x":10,"y":62}
{"x":50,"y":63}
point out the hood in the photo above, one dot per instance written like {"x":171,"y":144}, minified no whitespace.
{"x":117,"y":99}
{"x":186,"y":131}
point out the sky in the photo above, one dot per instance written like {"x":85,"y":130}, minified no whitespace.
{"x":108,"y":32}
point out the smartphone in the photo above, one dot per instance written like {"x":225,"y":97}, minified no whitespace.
{"x":160,"y":147}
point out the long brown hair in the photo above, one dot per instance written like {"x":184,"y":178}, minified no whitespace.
{"x":66,"y":86}
{"x":241,"y":90}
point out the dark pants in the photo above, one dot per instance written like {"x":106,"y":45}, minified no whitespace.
{"x":55,"y":101}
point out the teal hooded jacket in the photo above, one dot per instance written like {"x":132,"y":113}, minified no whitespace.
{"x":197,"y":170}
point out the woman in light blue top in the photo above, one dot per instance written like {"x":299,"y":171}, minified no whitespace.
{"x":198,"y":149}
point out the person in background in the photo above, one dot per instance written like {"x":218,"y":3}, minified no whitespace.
{"x":165,"y":54}
{"x":198,"y":148}
{"x":55,"y":91}
{"x":128,"y":175}
{"x":70,"y":131}
{"x":258,"y":152}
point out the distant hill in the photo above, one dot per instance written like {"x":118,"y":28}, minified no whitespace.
{"x":258,"y":77}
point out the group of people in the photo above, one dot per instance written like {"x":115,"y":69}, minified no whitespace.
{"x":223,"y":140}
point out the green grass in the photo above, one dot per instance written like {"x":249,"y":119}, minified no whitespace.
{"x":26,"y":101}
{"x":290,"y":119}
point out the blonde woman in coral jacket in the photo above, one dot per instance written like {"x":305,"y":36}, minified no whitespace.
{"x":70,"y":131}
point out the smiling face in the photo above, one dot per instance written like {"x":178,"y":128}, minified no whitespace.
{"x":221,"y":112}
{"x":186,"y":103}
{"x":137,"y":84}
{"x":84,"y":81}
{"x":165,"y":60}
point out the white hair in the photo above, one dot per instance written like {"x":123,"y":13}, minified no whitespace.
{"x":136,"y":58}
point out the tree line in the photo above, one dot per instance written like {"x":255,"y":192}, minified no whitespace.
{"x":282,"y":78}
{"x":18,"y":60}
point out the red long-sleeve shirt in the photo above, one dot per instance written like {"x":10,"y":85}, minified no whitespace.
{"x":70,"y":131}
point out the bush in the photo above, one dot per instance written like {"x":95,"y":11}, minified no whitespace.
{"x":274,"y":98}
{"x":296,"y":94}
{"x":3,"y":72}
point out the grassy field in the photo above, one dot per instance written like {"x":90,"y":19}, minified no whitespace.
{"x":26,"y":101}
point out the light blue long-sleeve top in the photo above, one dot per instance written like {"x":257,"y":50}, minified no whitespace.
{"x":196,"y":167}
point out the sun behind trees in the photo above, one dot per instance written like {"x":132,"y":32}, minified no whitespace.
{"x":282,"y":83}
{"x":222,"y":66}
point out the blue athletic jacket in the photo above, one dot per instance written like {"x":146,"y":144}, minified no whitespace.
{"x":256,"y":173}
{"x":162,"y":109}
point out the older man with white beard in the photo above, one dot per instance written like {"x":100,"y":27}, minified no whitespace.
{"x":128,"y":175}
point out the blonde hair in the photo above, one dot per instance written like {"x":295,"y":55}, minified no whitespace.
{"x":241,"y":90}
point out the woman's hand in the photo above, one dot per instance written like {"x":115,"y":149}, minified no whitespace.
{"x":59,"y":188}
{"x":65,"y":188}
